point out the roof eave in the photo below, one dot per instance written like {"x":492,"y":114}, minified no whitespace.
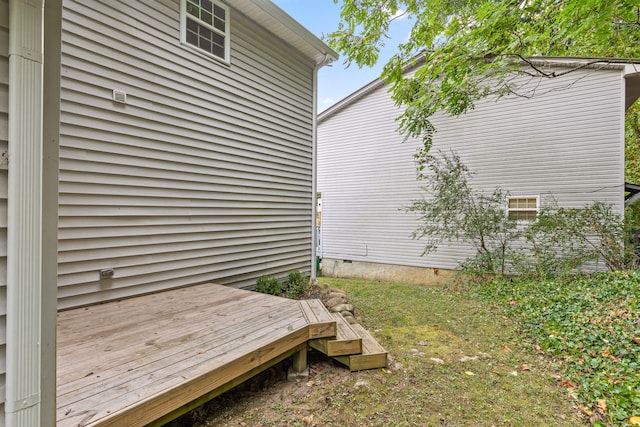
{"x":278,"y":22}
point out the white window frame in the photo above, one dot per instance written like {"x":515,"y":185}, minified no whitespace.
{"x":509,"y":210}
{"x":226,"y":34}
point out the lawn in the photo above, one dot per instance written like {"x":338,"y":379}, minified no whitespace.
{"x":589,"y":327}
{"x":516,"y":353}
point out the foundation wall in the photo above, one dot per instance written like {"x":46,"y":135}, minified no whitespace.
{"x":385,"y":272}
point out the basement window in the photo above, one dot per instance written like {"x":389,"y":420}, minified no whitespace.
{"x":205,"y":27}
{"x":523,"y":208}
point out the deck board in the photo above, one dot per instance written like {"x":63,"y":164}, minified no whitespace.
{"x":130,"y":362}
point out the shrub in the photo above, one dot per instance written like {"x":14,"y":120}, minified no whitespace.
{"x":269,"y":285}
{"x":455,"y":211}
{"x":297,"y":284}
{"x":565,"y":239}
{"x":559,"y":241}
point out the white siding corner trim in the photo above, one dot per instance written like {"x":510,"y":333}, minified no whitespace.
{"x":4,"y":121}
{"x":24,"y":235}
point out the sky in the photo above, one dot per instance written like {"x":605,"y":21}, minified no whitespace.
{"x":338,"y":81}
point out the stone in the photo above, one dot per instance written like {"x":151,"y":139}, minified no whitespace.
{"x":335,"y":301}
{"x":292,"y":375}
{"x":351,"y":320}
{"x":361,"y":384}
{"x":436,"y":360}
{"x":341,"y":307}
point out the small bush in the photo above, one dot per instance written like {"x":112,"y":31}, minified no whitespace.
{"x":297,"y":284}
{"x":269,"y":285}
{"x":562,"y":240}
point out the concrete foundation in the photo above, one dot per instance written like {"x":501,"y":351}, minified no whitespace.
{"x":385,"y":272}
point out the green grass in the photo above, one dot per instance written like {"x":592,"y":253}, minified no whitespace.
{"x":508,"y":384}
{"x":538,"y":353}
{"x":590,"y":326}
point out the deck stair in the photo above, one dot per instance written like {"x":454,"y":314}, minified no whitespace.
{"x":352,"y":345}
{"x":373,"y":355}
{"x":321,"y":323}
{"x":346,"y":342}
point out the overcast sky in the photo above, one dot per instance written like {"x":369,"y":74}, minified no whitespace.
{"x":336,"y":82}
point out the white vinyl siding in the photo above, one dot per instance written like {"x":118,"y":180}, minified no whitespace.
{"x":565,"y":143}
{"x":203,"y":175}
{"x":4,"y":111}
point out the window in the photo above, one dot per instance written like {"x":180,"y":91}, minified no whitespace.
{"x":522,"y":208}
{"x":205,"y":26}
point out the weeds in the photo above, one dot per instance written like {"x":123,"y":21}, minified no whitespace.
{"x":297,"y":285}
{"x":590,"y":326}
{"x":268,"y":285}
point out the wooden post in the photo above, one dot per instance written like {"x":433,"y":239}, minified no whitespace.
{"x":300,"y":361}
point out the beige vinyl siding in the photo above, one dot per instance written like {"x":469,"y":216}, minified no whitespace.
{"x":565,"y":142}
{"x":4,"y":112}
{"x":205,"y":173}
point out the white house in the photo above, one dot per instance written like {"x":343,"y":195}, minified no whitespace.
{"x":144,"y":145}
{"x":566,"y":142}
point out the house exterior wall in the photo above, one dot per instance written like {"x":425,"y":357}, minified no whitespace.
{"x":203,"y":175}
{"x":4,"y":115}
{"x":566,"y":142}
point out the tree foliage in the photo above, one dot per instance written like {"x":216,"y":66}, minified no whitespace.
{"x":475,"y":48}
{"x":453,"y":211}
{"x":560,"y":241}
{"x":565,"y":239}
{"x":632,"y":160}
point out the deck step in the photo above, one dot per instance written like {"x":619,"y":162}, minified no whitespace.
{"x":346,"y":342}
{"x":321,"y":323}
{"x":373,"y":355}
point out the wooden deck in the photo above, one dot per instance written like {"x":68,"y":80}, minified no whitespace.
{"x":132,"y":362}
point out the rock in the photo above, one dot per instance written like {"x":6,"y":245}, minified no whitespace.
{"x":414,"y":351}
{"x":341,"y":307}
{"x":468,"y":358}
{"x":325,"y":401}
{"x":324,"y":288}
{"x":346,"y":314}
{"x":436,"y":360}
{"x":352,"y":320}
{"x":361,"y":384}
{"x":333,"y":301}
{"x":335,"y":292}
{"x":422,"y":343}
